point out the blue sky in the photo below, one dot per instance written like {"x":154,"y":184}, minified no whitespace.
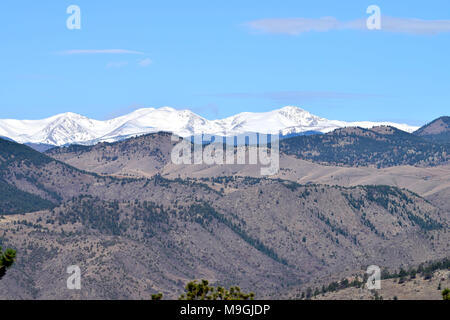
{"x":219,"y":58}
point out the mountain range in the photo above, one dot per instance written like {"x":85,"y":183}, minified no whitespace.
{"x":71,"y":128}
{"x":138,"y":224}
{"x":135,"y":236}
{"x":347,"y":157}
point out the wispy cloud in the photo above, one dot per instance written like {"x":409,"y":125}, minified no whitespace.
{"x":99,"y":51}
{"x":296,"y":26}
{"x":415,"y":26}
{"x":145,"y":62}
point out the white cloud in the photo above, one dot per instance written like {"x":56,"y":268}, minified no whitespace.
{"x":296,"y":26}
{"x":414,"y":26}
{"x":145,"y":62}
{"x":99,"y":51}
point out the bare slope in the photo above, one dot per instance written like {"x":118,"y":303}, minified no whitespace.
{"x":149,"y":155}
{"x":264,"y":235}
{"x":142,"y":156}
{"x":417,"y":288}
{"x":134,"y":237}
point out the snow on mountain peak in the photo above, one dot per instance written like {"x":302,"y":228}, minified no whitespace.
{"x":71,"y":128}
{"x":292,"y":110}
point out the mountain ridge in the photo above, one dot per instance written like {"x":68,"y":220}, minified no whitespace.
{"x":72,"y":128}
{"x":382,"y":146}
{"x":437,"y":130}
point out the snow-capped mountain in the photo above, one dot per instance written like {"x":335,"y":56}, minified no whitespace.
{"x":71,"y":128}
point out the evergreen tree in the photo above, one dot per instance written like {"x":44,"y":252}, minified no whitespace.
{"x":157,"y":296}
{"x":203,"y":291}
{"x":446,"y":294}
{"x":7,"y":259}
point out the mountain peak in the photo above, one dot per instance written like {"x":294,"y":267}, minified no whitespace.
{"x":439,"y":125}
{"x":438,"y":130}
{"x":70,"y":115}
{"x":292,"y":109}
{"x":167,"y":108}
{"x":141,"y":111}
{"x":72,"y":128}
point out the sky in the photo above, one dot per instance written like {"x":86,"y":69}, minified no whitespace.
{"x":219,"y":58}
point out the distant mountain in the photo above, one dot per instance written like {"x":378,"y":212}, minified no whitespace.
{"x":6,"y":138}
{"x":41,"y":147}
{"x":437,"y":130}
{"x":71,"y":128}
{"x":266,"y":235}
{"x":148,"y":155}
{"x":379,"y":146}
{"x":142,"y":156}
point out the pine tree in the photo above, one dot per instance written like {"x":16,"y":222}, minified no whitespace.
{"x":203,"y":291}
{"x":7,"y":259}
{"x":446,"y":294}
{"x":157,"y":296}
